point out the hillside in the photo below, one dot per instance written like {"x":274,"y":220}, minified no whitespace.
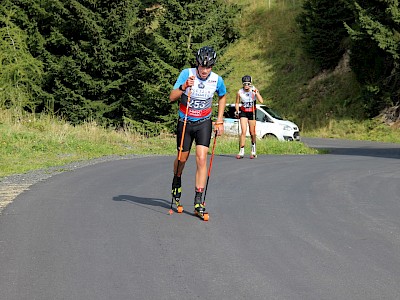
{"x":271,"y":52}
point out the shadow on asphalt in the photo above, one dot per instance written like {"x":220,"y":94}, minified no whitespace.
{"x":149,"y":202}
{"x":356,"y":148}
{"x":376,"y":152}
{"x":372,"y":152}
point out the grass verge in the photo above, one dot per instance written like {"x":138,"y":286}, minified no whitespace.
{"x":35,"y":142}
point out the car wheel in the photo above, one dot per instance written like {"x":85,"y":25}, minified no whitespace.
{"x":269,"y":136}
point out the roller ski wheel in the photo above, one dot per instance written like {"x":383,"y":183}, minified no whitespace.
{"x":253,"y":156}
{"x":176,"y":193}
{"x":179,"y":207}
{"x":202,"y":215}
{"x":199,"y":210}
{"x":239,"y":156}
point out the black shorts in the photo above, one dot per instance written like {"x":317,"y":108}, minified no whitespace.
{"x":248,"y":115}
{"x":199,"y":131}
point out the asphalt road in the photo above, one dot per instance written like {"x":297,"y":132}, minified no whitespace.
{"x":281,"y":227}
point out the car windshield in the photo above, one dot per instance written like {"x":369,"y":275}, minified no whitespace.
{"x":271,"y":112}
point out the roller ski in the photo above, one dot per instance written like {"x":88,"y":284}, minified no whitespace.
{"x":199,"y":207}
{"x":177,"y":200}
{"x":253,"y":152}
{"x":200,"y":211}
{"x":240,"y":154}
{"x":176,"y":195}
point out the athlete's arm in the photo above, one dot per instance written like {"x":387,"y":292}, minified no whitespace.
{"x":219,"y":124}
{"x":221,"y":92}
{"x":181,"y":84}
{"x":237,"y":102}
{"x":258,"y":95}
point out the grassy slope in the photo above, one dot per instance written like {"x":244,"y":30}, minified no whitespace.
{"x":325,"y":104}
{"x":271,"y":52}
{"x":35,"y":142}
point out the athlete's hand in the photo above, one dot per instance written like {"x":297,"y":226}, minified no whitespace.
{"x":236,"y":114}
{"x":219,"y":128}
{"x":188,"y":83}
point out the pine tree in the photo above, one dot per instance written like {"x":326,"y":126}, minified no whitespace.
{"x":84,"y":53}
{"x":20,"y":73}
{"x":183,"y":27}
{"x":112,"y":61}
{"x":375,"y":52}
{"x":323,"y":30}
{"x":179,"y":30}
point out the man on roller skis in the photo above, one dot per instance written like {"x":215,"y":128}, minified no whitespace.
{"x":197,"y":86}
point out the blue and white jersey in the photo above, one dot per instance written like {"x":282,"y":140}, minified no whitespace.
{"x":202,"y":92}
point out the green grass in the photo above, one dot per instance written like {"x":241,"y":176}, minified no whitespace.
{"x":35,"y":142}
{"x":229,"y":145}
{"x":369,"y":130}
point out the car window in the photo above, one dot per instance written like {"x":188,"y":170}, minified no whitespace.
{"x":271,"y":112}
{"x":230,"y":112}
{"x":260,"y":115}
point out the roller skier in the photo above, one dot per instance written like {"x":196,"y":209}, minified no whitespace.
{"x":246,"y":99}
{"x":195,"y":88}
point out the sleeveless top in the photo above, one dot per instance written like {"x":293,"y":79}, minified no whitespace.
{"x":247,"y":99}
{"x":201,"y":95}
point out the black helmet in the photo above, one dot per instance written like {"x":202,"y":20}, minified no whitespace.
{"x":246,"y":78}
{"x":206,"y":57}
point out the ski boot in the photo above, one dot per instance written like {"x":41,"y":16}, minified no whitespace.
{"x":253,"y":152}
{"x":176,"y":193}
{"x":199,"y":207}
{"x":241,"y":153}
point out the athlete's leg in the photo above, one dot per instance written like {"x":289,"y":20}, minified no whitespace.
{"x":243,"y":126}
{"x":201,"y":177}
{"x":187,"y":144}
{"x":201,"y":163}
{"x":252,"y":129}
{"x":182,"y":162}
{"x":181,"y":157}
{"x":242,"y":138}
{"x":202,"y":138}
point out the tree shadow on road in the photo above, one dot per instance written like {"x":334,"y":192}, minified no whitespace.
{"x":148,"y":203}
{"x":353,"y":147}
{"x":375,"y":152}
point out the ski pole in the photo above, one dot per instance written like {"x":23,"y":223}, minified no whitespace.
{"x":254,"y":111}
{"x":238,"y":123}
{"x":210,"y":167}
{"x":254,"y":118}
{"x":181,"y":144}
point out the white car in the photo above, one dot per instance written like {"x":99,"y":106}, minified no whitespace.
{"x":269,"y":124}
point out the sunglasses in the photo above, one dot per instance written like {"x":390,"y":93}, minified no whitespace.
{"x":246,"y":83}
